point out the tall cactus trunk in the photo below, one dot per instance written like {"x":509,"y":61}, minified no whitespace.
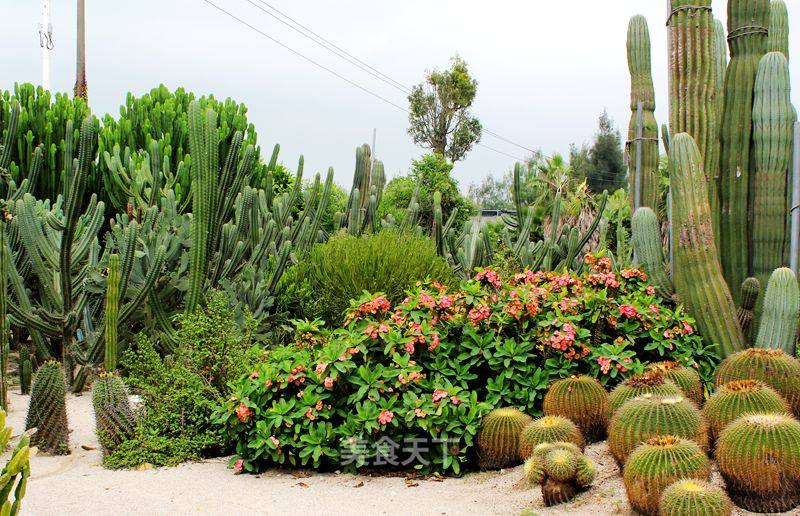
{"x":720,"y":67}
{"x":111,"y":316}
{"x":698,"y":275}
{"x":642,"y":90}
{"x":778,"y":28}
{"x":693,"y":85}
{"x":773,"y":119}
{"x":747,"y":36}
{"x":778,"y":326}
{"x":5,"y":330}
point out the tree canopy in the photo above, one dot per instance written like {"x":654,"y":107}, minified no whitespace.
{"x":606,"y":170}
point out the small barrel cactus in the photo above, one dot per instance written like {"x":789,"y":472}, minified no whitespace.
{"x":771,"y":366}
{"x":684,"y":377}
{"x":691,"y":497}
{"x":649,"y":382}
{"x":114,"y":418}
{"x":759,"y":458}
{"x":651,"y":416}
{"x":657,"y":463}
{"x":561,"y":469}
{"x":548,"y":429}
{"x":583,"y":400}
{"x":740,"y":397}
{"x":47,"y":410}
{"x":498,"y":438}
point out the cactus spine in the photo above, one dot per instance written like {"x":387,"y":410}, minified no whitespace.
{"x":114,"y":418}
{"x":646,"y":235}
{"x":112,"y":313}
{"x":773,"y":121}
{"x":47,"y":410}
{"x":777,"y":328}
{"x":25,"y":369}
{"x":698,"y":275}
{"x":747,"y":36}
{"x":778,"y":40}
{"x":582,"y":400}
{"x":642,"y":90}
{"x":694,"y":498}
{"x":751,"y":289}
{"x":498,"y":438}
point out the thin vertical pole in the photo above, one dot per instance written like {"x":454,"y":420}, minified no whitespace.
{"x":794,"y":249}
{"x":80,"y":61}
{"x":46,"y":42}
{"x":637,"y":197}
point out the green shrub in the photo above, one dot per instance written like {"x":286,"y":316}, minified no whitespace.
{"x":341,"y":270}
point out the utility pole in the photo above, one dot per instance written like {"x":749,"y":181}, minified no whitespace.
{"x":46,"y":42}
{"x":80,"y":62}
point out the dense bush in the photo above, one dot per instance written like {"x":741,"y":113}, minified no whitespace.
{"x":429,"y":367}
{"x":340,"y":270}
{"x":179,"y":393}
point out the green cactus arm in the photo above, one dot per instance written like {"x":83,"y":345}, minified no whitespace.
{"x":111,"y":316}
{"x":646,"y":235}
{"x":778,"y":28}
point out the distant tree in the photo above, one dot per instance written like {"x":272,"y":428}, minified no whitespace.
{"x":607,"y":163}
{"x":439,"y":116}
{"x":492,"y":193}
{"x":579,"y":163}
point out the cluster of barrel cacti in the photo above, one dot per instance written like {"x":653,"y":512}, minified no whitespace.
{"x":561,"y":469}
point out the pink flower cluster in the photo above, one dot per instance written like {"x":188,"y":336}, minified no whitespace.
{"x":628,"y":311}
{"x":489,"y":276}
{"x":375,"y":306}
{"x":479,"y":313}
{"x":564,"y":338}
{"x":385,"y":417}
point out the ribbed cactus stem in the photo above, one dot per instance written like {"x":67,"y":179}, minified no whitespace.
{"x":772,"y":133}
{"x":751,"y":289}
{"x":778,"y":28}
{"x":642,"y":91}
{"x":5,"y":328}
{"x":646,"y":235}
{"x":720,"y":68}
{"x":777,"y":328}
{"x":25,"y":370}
{"x":698,"y":275}
{"x":112,"y":313}
{"x":747,"y":36}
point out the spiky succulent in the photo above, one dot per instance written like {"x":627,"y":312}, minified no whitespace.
{"x":691,"y":497}
{"x":548,"y":429}
{"x":47,"y":410}
{"x":657,"y":463}
{"x":114,"y":418}
{"x":651,"y":416}
{"x":759,"y":458}
{"x":581,"y":399}
{"x":649,"y":382}
{"x":740,"y":397}
{"x":771,"y":366}
{"x":561,"y":469}
{"x":686,"y":378}
{"x":498,"y":437}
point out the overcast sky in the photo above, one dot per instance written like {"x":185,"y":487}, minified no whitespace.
{"x":546,"y":70}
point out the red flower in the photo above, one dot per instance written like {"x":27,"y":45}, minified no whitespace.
{"x":439,"y":394}
{"x":243,"y":412}
{"x":628,"y":311}
{"x":328,"y":382}
{"x":385,"y":417}
{"x":238,"y":467}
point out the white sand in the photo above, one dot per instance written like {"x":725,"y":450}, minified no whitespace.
{"x":77,"y":484}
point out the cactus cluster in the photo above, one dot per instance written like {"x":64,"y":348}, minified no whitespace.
{"x":47,"y":410}
{"x":740,"y":397}
{"x":771,"y":366}
{"x":582,"y":400}
{"x":694,"y":498}
{"x":649,"y":382}
{"x":561,"y":470}
{"x":498,"y":437}
{"x":548,"y":429}
{"x":114,"y":418}
{"x":686,"y":378}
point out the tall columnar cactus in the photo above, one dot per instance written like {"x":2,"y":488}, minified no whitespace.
{"x":778,"y":28}
{"x":646,"y":235}
{"x":759,"y":458}
{"x":642,"y":90}
{"x":114,"y":418}
{"x":739,"y":397}
{"x":693,"y":84}
{"x":112,"y":313}
{"x":649,"y":382}
{"x":548,"y":429}
{"x":747,"y":35}
{"x":720,"y":69}
{"x":14,"y":475}
{"x":777,"y":327}
{"x":498,"y":437}
{"x":690,"y":497}
{"x":47,"y":410}
{"x":699,"y":283}
{"x":5,"y":329}
{"x":25,"y":369}
{"x":583,"y":400}
{"x":773,"y":130}
{"x":751,"y":289}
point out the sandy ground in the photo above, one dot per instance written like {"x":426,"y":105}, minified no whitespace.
{"x":77,"y":484}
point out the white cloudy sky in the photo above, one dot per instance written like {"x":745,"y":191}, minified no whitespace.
{"x":546,"y":69}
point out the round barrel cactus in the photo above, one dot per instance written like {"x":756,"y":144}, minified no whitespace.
{"x":656,"y":464}
{"x":47,"y":410}
{"x":740,"y":397}
{"x":651,"y":416}
{"x":583,"y":400}
{"x":548,"y":429}
{"x":649,"y":382}
{"x":684,"y":377}
{"x":560,"y":469}
{"x":498,"y":437}
{"x":691,"y":497}
{"x":759,"y":458}
{"x":771,"y":366}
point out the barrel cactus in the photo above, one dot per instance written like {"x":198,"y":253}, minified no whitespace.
{"x":646,"y":236}
{"x":657,"y":463}
{"x":651,"y":416}
{"x":777,"y":327}
{"x":692,"y":497}
{"x":548,"y":429}
{"x":771,"y":366}
{"x":561,"y":469}
{"x":47,"y":410}
{"x":582,"y":400}
{"x":686,"y":378}
{"x":751,"y":288}
{"x":114,"y":418}
{"x":740,"y":397}
{"x":649,"y":382}
{"x":759,"y":458}
{"x":498,"y":437}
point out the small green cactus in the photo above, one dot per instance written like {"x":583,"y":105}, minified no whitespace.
{"x":646,"y":236}
{"x":25,"y":367}
{"x":15,"y":473}
{"x":740,"y":397}
{"x":548,"y":429}
{"x":751,"y":288}
{"x":777,"y":328}
{"x":583,"y":400}
{"x":651,"y":416}
{"x":114,"y":418}
{"x":759,"y":457}
{"x":560,"y":469}
{"x":686,"y":378}
{"x":649,"y":382}
{"x":656,"y":464}
{"x":691,"y":497}
{"x":498,"y":438}
{"x":771,"y":366}
{"x":47,"y":410}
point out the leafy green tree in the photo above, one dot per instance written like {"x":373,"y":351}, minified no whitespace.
{"x":607,"y":163}
{"x":439,"y":115}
